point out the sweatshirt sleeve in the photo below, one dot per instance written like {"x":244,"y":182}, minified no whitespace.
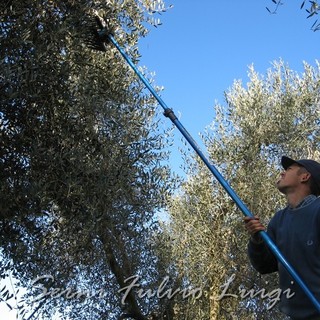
{"x":261,"y":258}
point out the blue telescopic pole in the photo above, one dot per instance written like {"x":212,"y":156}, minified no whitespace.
{"x":170,"y":114}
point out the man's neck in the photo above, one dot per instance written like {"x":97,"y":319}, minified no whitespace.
{"x":294,"y":199}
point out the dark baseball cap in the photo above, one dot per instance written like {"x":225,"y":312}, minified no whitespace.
{"x":313,"y":167}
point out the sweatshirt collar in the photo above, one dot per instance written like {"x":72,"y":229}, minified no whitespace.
{"x":307,"y":200}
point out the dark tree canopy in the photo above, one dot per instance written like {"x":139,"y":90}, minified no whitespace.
{"x":81,"y":158}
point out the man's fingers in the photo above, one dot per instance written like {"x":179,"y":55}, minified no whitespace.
{"x":247,"y":219}
{"x":253,"y":225}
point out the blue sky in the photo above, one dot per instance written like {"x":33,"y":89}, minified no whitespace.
{"x":203,"y":46}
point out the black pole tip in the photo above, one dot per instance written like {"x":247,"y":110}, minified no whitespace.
{"x":98,"y":32}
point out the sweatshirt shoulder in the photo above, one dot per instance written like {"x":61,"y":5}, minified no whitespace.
{"x":314,"y":207}
{"x":317,"y":203}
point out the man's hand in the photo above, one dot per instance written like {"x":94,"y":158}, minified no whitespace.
{"x":253,"y":226}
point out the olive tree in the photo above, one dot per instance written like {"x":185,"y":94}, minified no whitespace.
{"x":82,"y":161}
{"x":270,"y":116}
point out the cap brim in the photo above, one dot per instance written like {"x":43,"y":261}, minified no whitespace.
{"x":287,"y":162}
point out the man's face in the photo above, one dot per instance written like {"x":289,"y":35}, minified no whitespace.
{"x":289,"y":179}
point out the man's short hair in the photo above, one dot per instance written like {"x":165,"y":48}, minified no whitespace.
{"x":312,"y":184}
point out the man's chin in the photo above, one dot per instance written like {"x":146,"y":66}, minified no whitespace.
{"x":281,"y":188}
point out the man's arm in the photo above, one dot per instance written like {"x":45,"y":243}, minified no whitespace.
{"x":260,"y":255}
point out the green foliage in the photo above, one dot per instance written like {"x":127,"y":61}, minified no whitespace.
{"x":270,"y":116}
{"x":81,"y":160}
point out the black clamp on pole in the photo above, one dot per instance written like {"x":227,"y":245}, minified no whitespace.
{"x":170,"y":114}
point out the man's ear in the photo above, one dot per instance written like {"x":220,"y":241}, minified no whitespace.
{"x":305,"y":176}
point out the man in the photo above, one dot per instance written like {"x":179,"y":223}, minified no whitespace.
{"x":296,"y":232}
